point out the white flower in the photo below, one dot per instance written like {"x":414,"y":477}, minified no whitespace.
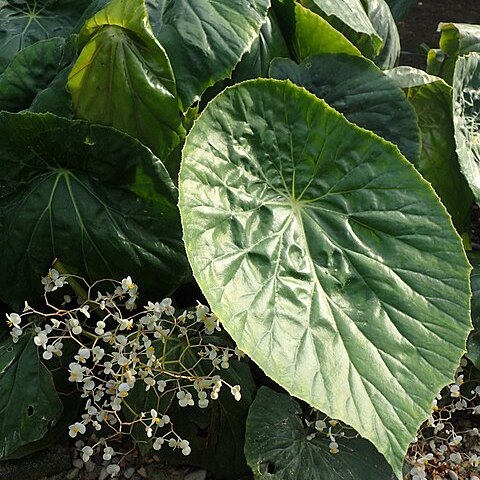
{"x":53,"y":280}
{"x":320,"y":425}
{"x":456,"y":440}
{"x":87,"y":452}
{"x":76,"y":428}
{"x":185,"y":446}
{"x":185,"y":398}
{"x":113,"y":470}
{"x":202,"y":399}
{"x":454,"y":391}
{"x":123,"y":390}
{"x":161,"y":384}
{"x":83,"y":354}
{"x":41,"y":339}
{"x":76,"y":372}
{"x":107,"y":453}
{"x":157,"y":444}
{"x":235,"y":391}
{"x":98,"y":353}
{"x":333,"y":446}
{"x":100,"y":328}
{"x":14,"y":320}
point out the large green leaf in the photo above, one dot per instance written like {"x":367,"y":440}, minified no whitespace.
{"x":382,"y":20}
{"x":123,"y":77}
{"x":205,"y":39}
{"x":31,"y":71}
{"x":361,"y":91}
{"x":90,"y":196}
{"x":29,"y":404}
{"x":326,"y":256}
{"x":314,"y":35}
{"x":278,"y":446}
{"x":438,"y":161}
{"x":466,"y":108}
{"x":350,"y":18}
{"x":24,"y":22}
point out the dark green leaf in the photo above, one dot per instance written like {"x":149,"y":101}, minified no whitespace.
{"x":216,"y":433}
{"x":400,"y":8}
{"x":361,"y":91}
{"x":466,"y":108}
{"x":24,"y":22}
{"x":326,"y":256}
{"x":277,"y":446}
{"x":350,"y":18}
{"x":123,"y":78}
{"x":31,"y":70}
{"x":90,"y":196}
{"x":29,"y":404}
{"x":384,"y":24}
{"x":205,"y":39}
{"x":268,"y":45}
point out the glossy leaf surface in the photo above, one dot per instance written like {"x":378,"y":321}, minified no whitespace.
{"x":205,"y":39}
{"x":123,"y":77}
{"x":277,"y":446}
{"x":25,"y":22}
{"x":383,"y":22}
{"x":357,"y":88}
{"x":29,"y":403}
{"x":90,"y":196}
{"x":466,"y":108}
{"x":314,"y":35}
{"x":326,"y":256}
{"x":350,"y":18}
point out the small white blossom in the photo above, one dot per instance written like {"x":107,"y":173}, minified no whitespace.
{"x":76,"y":428}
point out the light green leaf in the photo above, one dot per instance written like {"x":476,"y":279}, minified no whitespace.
{"x":29,"y":404}
{"x":25,"y":22}
{"x":123,"y":78}
{"x":361,"y":91}
{"x":408,"y":77}
{"x":459,"y":38}
{"x":277,"y":447}
{"x":326,"y":256}
{"x":31,"y":71}
{"x":383,"y":22}
{"x":350,"y":18}
{"x":205,"y":39}
{"x":466,"y":108}
{"x":314,"y":35}
{"x":96,"y":199}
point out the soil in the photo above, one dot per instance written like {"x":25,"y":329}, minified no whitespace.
{"x":418,"y":31}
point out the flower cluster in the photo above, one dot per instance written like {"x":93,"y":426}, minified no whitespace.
{"x":448,"y":444}
{"x":120,"y":350}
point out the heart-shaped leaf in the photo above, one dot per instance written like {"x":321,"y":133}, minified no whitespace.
{"x":327,"y":257}
{"x":279,"y":446}
{"x":96,"y":199}
{"x":123,"y":78}
{"x":361,"y":91}
{"x":29,"y":404}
